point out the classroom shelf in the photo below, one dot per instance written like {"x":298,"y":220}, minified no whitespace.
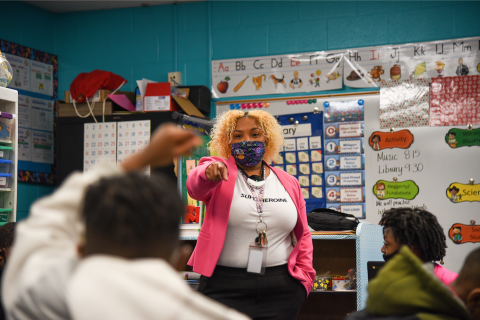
{"x":368,"y":242}
{"x":8,"y":196}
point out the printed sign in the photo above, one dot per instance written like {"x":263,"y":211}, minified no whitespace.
{"x":395,"y":190}
{"x":459,"y":192}
{"x":463,"y":233}
{"x":350,"y":129}
{"x":300,"y":130}
{"x":292,"y":73}
{"x":370,"y":66}
{"x":457,"y":138}
{"x":401,"y":139}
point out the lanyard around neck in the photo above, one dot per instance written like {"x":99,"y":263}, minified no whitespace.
{"x":257,"y":197}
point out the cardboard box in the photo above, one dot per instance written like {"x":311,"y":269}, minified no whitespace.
{"x":101,"y":95}
{"x":158,"y":98}
{"x":67,"y":109}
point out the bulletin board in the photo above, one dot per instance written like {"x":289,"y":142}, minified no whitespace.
{"x":35,"y":77}
{"x":417,"y":170}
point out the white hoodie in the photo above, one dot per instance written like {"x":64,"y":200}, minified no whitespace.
{"x":45,"y":279}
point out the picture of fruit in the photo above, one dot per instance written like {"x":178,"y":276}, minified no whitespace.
{"x":420,"y":68}
{"x":312,"y":75}
{"x":318,"y":72}
{"x":222,"y":86}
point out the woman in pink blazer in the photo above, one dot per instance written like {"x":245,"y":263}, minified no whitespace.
{"x":254,"y":250}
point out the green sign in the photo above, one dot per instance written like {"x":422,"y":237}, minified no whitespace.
{"x":407,"y":190}
{"x":457,"y":138}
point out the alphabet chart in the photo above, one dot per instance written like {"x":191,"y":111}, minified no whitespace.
{"x":302,"y":155}
{"x":100,"y":143}
{"x":133,"y":136}
{"x":344,"y":160}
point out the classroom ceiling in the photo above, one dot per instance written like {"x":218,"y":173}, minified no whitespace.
{"x":85,"y":5}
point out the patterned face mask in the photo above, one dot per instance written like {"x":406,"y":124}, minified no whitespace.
{"x":248,"y":153}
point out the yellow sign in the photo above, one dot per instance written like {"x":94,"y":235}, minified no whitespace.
{"x":459,"y":192}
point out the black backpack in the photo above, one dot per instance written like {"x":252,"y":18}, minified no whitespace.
{"x":323,"y":219}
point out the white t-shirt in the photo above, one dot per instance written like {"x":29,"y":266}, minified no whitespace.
{"x":280,"y":214}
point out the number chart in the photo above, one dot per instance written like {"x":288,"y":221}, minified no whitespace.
{"x":100,"y":143}
{"x":302,"y":155}
{"x":133,"y":136}
{"x":344,"y":157}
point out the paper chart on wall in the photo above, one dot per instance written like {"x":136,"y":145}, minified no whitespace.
{"x":21,"y":72}
{"x":100,"y":144}
{"x":41,"y":114}
{"x":133,"y":136}
{"x":24,"y":111}
{"x":344,"y":160}
{"x":42,"y":143}
{"x":24,"y":144}
{"x":41,"y":77}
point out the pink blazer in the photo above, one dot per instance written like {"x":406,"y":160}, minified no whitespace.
{"x":217,"y":195}
{"x":444,"y":274}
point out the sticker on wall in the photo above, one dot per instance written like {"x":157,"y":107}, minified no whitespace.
{"x":459,"y":192}
{"x":457,"y":137}
{"x":401,"y":139}
{"x":384,"y":189}
{"x":463,"y":233}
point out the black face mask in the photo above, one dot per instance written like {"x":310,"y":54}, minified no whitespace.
{"x":387,"y":257}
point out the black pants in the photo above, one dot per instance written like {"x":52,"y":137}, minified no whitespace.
{"x":276,"y":295}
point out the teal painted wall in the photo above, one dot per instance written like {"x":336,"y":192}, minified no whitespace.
{"x":33,"y":27}
{"x":148,"y":42}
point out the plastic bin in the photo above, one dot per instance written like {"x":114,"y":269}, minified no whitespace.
{"x":6,"y":125}
{"x":4,"y":179}
{"x":5,"y":152}
{"x":5,"y":165}
{"x":4,"y":215}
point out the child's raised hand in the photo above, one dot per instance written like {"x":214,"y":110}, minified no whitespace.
{"x":167,"y":142}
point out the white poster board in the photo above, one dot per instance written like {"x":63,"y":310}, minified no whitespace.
{"x":441,"y":166}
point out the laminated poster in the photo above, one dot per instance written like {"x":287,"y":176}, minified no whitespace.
{"x":457,"y":137}
{"x":460,"y":192}
{"x":455,"y":101}
{"x":462,"y":233}
{"x":385,"y":190}
{"x":401,"y":139}
{"x":404,"y":103}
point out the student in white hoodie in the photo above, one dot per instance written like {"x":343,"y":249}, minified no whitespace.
{"x":99,"y":248}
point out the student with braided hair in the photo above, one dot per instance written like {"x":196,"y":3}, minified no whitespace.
{"x":420,"y":231}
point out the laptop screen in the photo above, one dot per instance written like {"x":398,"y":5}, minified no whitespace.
{"x":373,"y":267}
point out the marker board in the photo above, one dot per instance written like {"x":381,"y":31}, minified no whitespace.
{"x":429,"y":163}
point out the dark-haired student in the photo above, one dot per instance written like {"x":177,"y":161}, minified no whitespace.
{"x":420,"y":231}
{"x":101,"y":247}
{"x":407,"y":289}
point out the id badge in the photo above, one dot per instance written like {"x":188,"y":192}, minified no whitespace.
{"x":257,"y":258}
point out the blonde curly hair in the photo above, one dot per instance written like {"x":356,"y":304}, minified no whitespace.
{"x":226,"y":123}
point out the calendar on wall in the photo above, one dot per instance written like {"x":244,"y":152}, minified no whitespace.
{"x":114,"y":141}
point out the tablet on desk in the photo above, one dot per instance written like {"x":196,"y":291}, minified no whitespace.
{"x":373,"y":267}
